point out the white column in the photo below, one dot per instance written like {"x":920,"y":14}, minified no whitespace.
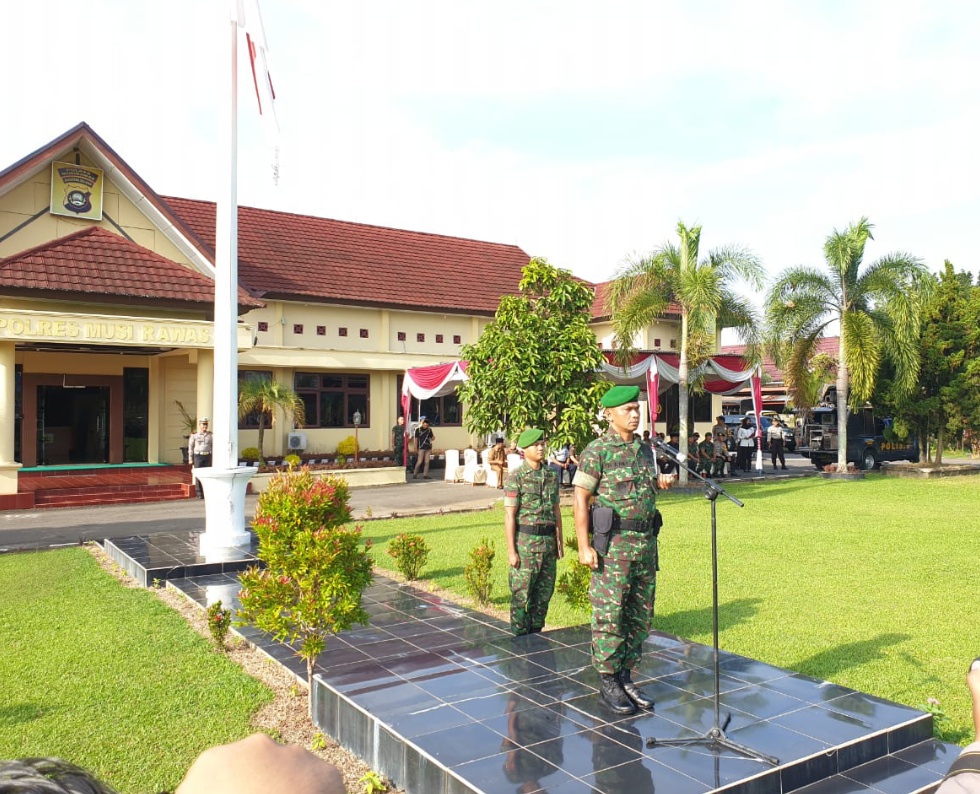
{"x":8,"y":467}
{"x":205,"y":385}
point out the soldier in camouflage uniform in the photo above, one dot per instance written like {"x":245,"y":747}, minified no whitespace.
{"x":694,"y":451}
{"x":706,"y":451}
{"x":532,"y":524}
{"x":620,"y":474}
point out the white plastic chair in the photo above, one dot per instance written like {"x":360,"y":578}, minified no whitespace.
{"x":472,"y":472}
{"x":514,"y":462}
{"x":452,"y":463}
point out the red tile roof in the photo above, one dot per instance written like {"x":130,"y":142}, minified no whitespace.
{"x":283,"y":255}
{"x":97,"y":261}
{"x":599,"y":310}
{"x":828,"y":344}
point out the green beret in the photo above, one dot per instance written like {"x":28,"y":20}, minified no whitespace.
{"x":528,"y":437}
{"x":620,"y":395}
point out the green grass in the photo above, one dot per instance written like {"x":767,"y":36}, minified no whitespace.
{"x":869,"y":584}
{"x":108,"y":677}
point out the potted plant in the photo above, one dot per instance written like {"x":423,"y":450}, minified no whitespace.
{"x":190,"y":425}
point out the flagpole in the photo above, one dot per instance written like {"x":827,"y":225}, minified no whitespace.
{"x":226,"y":278}
{"x":225,"y":482}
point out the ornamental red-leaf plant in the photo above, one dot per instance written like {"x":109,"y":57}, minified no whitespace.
{"x":316,"y":567}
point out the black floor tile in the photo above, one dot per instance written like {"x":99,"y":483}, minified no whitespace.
{"x":428,"y":686}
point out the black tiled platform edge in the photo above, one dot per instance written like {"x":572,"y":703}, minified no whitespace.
{"x":443,"y":700}
{"x":172,"y":556}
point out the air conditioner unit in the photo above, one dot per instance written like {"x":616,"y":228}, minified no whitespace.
{"x":297,"y":441}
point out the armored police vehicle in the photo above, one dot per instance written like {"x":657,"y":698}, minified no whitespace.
{"x":869,"y":439}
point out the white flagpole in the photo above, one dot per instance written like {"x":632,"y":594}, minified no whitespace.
{"x":225,"y":482}
{"x":226,"y":279}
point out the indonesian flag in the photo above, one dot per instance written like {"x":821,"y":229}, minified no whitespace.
{"x":249,"y":18}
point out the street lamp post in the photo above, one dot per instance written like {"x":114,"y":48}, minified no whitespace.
{"x":357,"y":424}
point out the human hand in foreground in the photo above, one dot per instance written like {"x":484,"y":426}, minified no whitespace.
{"x":588,"y":556}
{"x":258,"y":764}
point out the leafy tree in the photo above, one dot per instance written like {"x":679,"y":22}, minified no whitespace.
{"x":316,"y":569}
{"x":264,"y":397}
{"x":944,"y":397}
{"x":877,"y":309}
{"x":703,"y":291}
{"x":536,"y":364}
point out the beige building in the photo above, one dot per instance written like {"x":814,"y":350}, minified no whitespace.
{"x":106,"y":307}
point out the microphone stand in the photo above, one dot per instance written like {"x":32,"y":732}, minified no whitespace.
{"x":715,"y":737}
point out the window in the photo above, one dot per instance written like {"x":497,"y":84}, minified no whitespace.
{"x":331,"y":399}
{"x":364,"y":333}
{"x":439,"y":339}
{"x":673,"y":344}
{"x":419,"y":337}
{"x":321,"y":330}
{"x":457,"y":339}
{"x":297,"y":328}
{"x":341,"y":332}
{"x":443,"y":410}
{"x":263,"y":326}
{"x":656,"y":342}
{"x":402,"y":336}
{"x":251,"y":421}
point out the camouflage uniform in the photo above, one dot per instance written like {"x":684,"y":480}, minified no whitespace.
{"x":622,"y":475}
{"x":694,"y":455}
{"x":535,"y":495}
{"x":706,"y":449}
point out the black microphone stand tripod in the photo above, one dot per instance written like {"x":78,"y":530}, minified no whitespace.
{"x":715,"y":737}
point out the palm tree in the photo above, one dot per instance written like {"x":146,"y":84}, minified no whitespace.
{"x":877,"y":309}
{"x":264,"y":396}
{"x":672,"y":278}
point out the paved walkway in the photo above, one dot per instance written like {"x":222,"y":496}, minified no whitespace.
{"x":36,"y":529}
{"x":32,"y":529}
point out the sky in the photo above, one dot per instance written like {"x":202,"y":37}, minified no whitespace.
{"x":579,"y":131}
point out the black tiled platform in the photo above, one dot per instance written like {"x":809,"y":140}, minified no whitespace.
{"x":443,"y":700}
{"x":172,"y":556}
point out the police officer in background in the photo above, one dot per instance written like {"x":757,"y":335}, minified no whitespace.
{"x":621,"y":474}
{"x":532,"y":525}
{"x":200,"y":445}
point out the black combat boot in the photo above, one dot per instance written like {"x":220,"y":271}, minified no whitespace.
{"x":633,"y":692}
{"x":612,"y":694}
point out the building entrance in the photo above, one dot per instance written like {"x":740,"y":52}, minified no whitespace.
{"x":72,"y":425}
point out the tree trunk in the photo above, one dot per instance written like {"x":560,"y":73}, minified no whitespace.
{"x":261,"y":437}
{"x":843,"y":384}
{"x":940,"y":444}
{"x":683,"y":397}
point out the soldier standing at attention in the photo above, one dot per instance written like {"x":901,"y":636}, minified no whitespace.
{"x":532,"y":524}
{"x":622,"y":476}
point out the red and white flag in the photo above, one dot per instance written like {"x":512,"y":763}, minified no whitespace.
{"x":250,"y":20}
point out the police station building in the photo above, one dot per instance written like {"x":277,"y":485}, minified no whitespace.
{"x":106,"y":309}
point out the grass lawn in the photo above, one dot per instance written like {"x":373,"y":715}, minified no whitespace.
{"x":869,"y":584}
{"x":109,"y":677}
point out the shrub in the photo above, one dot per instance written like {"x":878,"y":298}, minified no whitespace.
{"x":477,"y":573}
{"x":340,"y":460}
{"x":315,"y":568}
{"x":293,"y":460}
{"x":410,"y":553}
{"x":574,"y":583}
{"x":219,"y":621}
{"x":250,"y":453}
{"x":347,"y":447}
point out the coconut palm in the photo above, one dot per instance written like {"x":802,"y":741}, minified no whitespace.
{"x":264,"y":397}
{"x":673,"y":279}
{"x":877,"y":309}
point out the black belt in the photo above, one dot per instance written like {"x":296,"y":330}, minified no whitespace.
{"x":536,"y":529}
{"x":647,"y":526}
